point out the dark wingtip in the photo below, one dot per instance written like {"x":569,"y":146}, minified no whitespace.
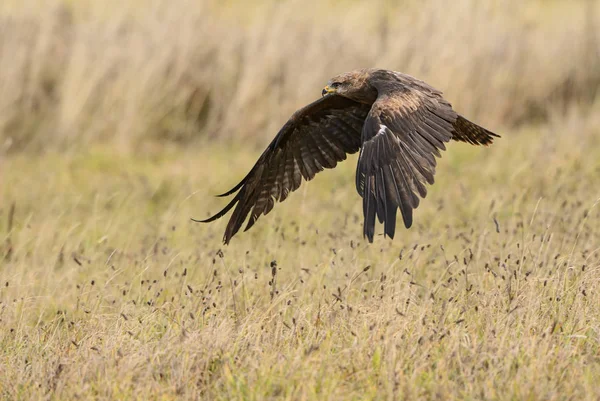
{"x":220,"y":214}
{"x":390,"y":229}
{"x":407,"y":217}
{"x":231,"y":191}
{"x":234,"y":189}
{"x":491,"y":139}
{"x":203,"y":221}
{"x":240,"y":184}
{"x":468,"y":131}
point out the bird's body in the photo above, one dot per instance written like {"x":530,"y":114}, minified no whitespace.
{"x":397,"y":122}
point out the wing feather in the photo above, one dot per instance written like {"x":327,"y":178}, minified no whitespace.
{"x":316,"y":137}
{"x":406,"y":129}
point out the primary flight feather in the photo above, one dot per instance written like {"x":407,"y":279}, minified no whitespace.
{"x":397,"y":122}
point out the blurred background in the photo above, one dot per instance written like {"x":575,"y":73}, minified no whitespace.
{"x":139,"y":74}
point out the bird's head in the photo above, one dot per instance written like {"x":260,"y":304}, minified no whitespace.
{"x":353,"y":85}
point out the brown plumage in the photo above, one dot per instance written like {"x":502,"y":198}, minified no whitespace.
{"x":398,"y":123}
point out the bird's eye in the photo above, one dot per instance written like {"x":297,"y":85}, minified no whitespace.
{"x":335,"y":85}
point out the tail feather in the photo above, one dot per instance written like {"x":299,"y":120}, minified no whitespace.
{"x":466,"y":131}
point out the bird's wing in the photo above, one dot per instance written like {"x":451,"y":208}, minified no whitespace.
{"x":466,"y":131}
{"x":316,"y":137}
{"x":405,"y":130}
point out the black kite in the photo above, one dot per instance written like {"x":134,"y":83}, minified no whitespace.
{"x":397,"y":122}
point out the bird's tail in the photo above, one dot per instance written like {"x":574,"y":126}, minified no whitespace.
{"x":466,"y":131}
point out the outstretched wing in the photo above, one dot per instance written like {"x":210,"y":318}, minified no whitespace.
{"x":466,"y":131}
{"x":405,"y":130}
{"x":316,"y":137}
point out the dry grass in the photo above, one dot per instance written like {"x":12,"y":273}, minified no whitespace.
{"x":108,"y":291}
{"x":126,"y":72}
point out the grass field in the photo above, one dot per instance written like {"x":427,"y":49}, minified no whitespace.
{"x":109,"y":291}
{"x":114,"y":132}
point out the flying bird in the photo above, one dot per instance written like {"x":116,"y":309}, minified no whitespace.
{"x":399,"y":125}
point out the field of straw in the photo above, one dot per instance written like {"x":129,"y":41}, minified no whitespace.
{"x":120,"y":119}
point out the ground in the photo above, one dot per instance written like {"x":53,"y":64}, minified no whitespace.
{"x":110,"y":291}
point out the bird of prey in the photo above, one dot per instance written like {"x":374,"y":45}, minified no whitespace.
{"x":399,"y":125}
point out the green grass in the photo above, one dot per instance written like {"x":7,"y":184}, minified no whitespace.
{"x":109,"y":291}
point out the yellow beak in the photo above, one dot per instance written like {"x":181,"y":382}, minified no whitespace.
{"x":326,"y":90}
